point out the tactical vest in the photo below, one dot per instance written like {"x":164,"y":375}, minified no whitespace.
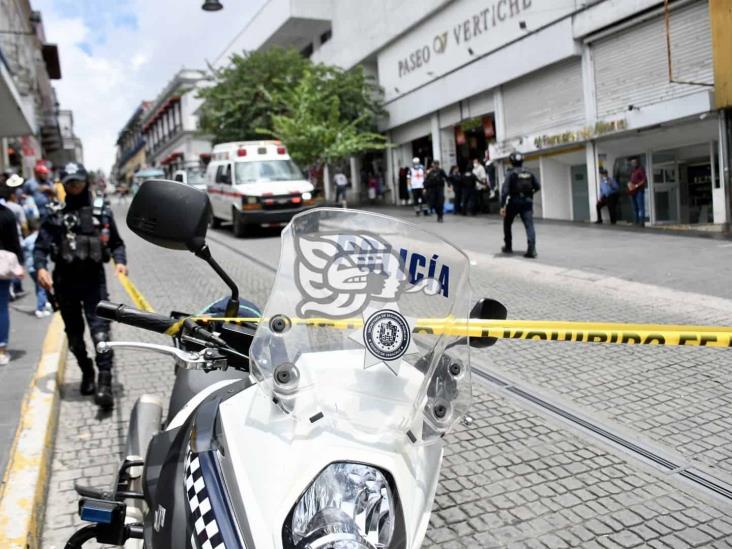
{"x":84,"y":235}
{"x":521,"y":184}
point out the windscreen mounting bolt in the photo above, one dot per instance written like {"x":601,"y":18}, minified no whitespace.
{"x":279,"y":324}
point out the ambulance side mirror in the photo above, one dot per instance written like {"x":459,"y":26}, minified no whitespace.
{"x":170,"y":214}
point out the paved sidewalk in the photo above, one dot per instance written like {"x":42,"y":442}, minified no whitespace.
{"x":686,"y":263}
{"x":26,"y":338}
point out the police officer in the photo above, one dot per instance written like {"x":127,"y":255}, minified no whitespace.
{"x":80,"y":236}
{"x":517,"y":199}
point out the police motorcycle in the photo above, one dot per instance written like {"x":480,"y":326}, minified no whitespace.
{"x":317,"y":423}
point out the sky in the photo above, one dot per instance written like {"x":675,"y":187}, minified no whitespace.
{"x":117,"y":53}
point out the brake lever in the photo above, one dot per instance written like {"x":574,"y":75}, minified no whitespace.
{"x":185,"y":359}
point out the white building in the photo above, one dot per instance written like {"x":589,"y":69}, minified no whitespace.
{"x":170,"y":124}
{"x":573,"y":84}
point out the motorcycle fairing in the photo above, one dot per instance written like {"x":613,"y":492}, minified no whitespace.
{"x":169,"y":455}
{"x":271,"y":459}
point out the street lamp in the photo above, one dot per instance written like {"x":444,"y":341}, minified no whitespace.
{"x":211,"y":5}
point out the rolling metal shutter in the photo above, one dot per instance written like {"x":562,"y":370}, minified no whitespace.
{"x":549,"y":98}
{"x":631,"y":67}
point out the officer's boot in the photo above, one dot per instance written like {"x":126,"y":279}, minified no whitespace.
{"x":87,"y":377}
{"x":531,"y":252}
{"x":103,"y":397}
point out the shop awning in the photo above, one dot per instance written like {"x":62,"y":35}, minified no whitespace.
{"x":171,"y":158}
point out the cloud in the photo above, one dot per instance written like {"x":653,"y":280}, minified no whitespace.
{"x":116,"y":54}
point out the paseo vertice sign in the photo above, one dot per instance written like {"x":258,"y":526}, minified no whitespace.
{"x":458,"y":34}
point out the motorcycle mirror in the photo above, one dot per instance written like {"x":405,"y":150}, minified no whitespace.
{"x":170,"y":214}
{"x":487,"y":309}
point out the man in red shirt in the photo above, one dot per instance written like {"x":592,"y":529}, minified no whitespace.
{"x":637,"y":189}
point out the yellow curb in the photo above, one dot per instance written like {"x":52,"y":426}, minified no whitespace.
{"x":22,"y":501}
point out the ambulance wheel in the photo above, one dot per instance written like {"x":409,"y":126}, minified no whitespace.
{"x":240,"y":229}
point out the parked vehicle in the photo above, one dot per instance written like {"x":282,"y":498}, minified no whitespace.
{"x":316,"y":423}
{"x":256,"y":183}
{"x":195,"y":176}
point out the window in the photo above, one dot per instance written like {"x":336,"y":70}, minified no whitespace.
{"x":179,"y":177}
{"x":267,"y":170}
{"x":307,"y":51}
{"x":327,"y":35}
{"x":220,"y":174}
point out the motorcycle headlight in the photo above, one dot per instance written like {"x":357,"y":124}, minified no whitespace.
{"x":348,"y":506}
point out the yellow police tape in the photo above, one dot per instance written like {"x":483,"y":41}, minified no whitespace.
{"x":137,"y":298}
{"x":541,"y":330}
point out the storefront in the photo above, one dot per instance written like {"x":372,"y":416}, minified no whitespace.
{"x":683,"y":167}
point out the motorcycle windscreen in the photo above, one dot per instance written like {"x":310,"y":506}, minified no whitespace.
{"x":356,"y":328}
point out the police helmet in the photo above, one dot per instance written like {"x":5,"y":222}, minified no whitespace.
{"x":516,"y":159}
{"x":73,"y":171}
{"x":415,"y":160}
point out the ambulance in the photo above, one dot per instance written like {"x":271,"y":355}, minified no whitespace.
{"x":256,"y":183}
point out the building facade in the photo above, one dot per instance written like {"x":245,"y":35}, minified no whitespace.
{"x":172,"y":140}
{"x":131,"y":149}
{"x":575,"y":85}
{"x":29,"y":111}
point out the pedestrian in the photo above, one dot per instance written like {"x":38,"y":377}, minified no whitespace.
{"x":517,"y":199}
{"x":434,"y":185}
{"x":9,"y":199}
{"x":470,"y":191}
{"x":40,"y":188}
{"x":609,"y":195}
{"x":341,"y":184}
{"x":455,"y":181}
{"x":9,"y":242}
{"x":43,"y":307}
{"x":373,"y":187}
{"x":416,"y":184}
{"x":637,"y":190}
{"x":79,"y":239}
{"x":403,"y":185}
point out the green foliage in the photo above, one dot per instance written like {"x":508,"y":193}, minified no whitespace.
{"x":331,"y":116}
{"x":322,"y":113}
{"x":246,"y":94}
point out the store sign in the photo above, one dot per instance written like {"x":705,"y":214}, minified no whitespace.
{"x":602,"y":127}
{"x":547,"y":141}
{"x":462,"y":32}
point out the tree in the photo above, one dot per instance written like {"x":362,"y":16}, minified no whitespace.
{"x":247,"y":93}
{"x":330,"y":115}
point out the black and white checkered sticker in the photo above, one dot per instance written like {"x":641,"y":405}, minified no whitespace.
{"x":206,"y":531}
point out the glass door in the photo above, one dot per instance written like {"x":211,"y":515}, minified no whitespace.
{"x":666,"y":197}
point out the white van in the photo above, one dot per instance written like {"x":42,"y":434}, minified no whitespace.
{"x":256,"y":183}
{"x":193,"y":175}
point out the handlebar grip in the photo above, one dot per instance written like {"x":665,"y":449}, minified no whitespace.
{"x":134,"y":317}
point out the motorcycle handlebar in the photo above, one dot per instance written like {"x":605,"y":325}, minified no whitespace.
{"x":134,"y":317}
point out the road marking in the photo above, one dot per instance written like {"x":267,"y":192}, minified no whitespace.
{"x":135,"y":295}
{"x":26,"y":478}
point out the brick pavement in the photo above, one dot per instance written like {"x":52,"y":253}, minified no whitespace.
{"x":512,"y":478}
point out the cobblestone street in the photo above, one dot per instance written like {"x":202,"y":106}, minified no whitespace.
{"x":515,"y":477}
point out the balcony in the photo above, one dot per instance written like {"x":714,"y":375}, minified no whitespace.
{"x":286,"y":23}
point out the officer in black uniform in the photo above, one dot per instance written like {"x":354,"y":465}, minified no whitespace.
{"x":80,"y":236}
{"x":517,"y":195}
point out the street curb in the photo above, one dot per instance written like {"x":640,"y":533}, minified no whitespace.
{"x":22,"y":500}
